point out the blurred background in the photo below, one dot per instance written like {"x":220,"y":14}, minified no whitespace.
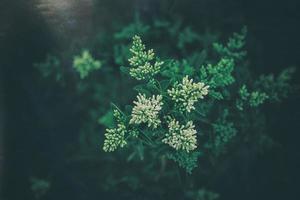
{"x":48,"y":151}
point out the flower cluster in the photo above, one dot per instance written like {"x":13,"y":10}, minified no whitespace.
{"x":141,"y":62}
{"x":181,"y":137}
{"x":187,"y":93}
{"x":146,"y":110}
{"x":114,"y":138}
{"x":85,"y":63}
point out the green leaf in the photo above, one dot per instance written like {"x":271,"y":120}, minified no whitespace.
{"x":124,"y":70}
{"x":164,"y":84}
{"x":107,"y":119}
{"x":188,"y":161}
{"x":141,"y":89}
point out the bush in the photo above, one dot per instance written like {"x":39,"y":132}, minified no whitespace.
{"x":189,"y":106}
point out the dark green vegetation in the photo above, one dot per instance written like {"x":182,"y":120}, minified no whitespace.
{"x":61,"y":98}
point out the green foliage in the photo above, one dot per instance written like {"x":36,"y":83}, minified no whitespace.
{"x":252,"y":99}
{"x":182,"y":107}
{"x":257,"y":98}
{"x":276,"y":88}
{"x":223,"y":131}
{"x":136,"y":27}
{"x":51,"y":68}
{"x":233,"y":47}
{"x":157,"y":113}
{"x":187,"y":36}
{"x":202,"y":194}
{"x":218,"y":76}
{"x":164,"y":119}
{"x":39,"y":187}
{"x":85,"y":63}
{"x":107,"y":119}
{"x":174,"y":69}
{"x":186,"y":160}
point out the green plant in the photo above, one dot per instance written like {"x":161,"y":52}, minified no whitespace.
{"x":39,"y":187}
{"x":202,"y":194}
{"x":184,"y":113}
{"x":85,"y":63}
{"x":51,"y":68}
{"x":187,"y":111}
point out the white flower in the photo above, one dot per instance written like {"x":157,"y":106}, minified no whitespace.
{"x":141,"y":67}
{"x":146,"y":110}
{"x":181,"y":137}
{"x":187,"y":93}
{"x":114,"y":138}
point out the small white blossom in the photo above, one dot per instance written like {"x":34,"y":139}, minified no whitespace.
{"x":181,"y":137}
{"x":114,"y":138}
{"x":187,"y":93}
{"x":146,"y":110}
{"x":141,"y":67}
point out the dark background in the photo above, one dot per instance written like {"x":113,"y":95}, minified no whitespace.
{"x":36,"y":124}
